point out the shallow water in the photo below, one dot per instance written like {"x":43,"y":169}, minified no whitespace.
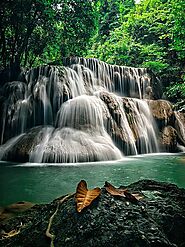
{"x":41,"y":183}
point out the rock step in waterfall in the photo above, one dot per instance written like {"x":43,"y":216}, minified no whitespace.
{"x":84,"y":111}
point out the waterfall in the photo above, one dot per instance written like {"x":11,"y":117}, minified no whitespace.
{"x":128,"y":81}
{"x":86,"y":110}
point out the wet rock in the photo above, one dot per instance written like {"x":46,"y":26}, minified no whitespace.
{"x":171,"y":134}
{"x":157,"y":220}
{"x":162,"y":112}
{"x":179,"y":126}
{"x":14,"y":209}
{"x":168,"y":139}
{"x":129,"y":123}
{"x":114,"y":121}
{"x":23,"y":146}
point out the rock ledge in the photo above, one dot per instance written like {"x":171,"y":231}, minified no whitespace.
{"x":157,"y":220}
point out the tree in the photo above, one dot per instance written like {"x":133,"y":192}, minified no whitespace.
{"x":111,"y":16}
{"x":36,"y":31}
{"x":77,"y":26}
{"x":149,"y":34}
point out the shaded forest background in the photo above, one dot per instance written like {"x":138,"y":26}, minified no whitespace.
{"x":148,"y":34}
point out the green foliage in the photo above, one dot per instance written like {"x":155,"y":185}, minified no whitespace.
{"x":149,"y":34}
{"x":113,"y":50}
{"x":38,"y":31}
{"x":157,"y":66}
{"x":178,"y":32}
{"x":111,"y":15}
{"x":77,"y":24}
{"x":176,"y":94}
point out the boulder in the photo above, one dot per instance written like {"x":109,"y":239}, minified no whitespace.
{"x":18,"y":149}
{"x":180,"y":126}
{"x":162,"y":112}
{"x":168,"y":139}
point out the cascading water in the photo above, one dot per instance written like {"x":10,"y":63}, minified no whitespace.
{"x":77,"y":113}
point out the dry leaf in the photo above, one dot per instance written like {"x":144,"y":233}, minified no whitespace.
{"x":130,"y":197}
{"x":122,"y":192}
{"x":84,"y":197}
{"x":137,"y":196}
{"x":114,"y":191}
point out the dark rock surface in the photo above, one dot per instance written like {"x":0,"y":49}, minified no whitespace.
{"x":170,"y":124}
{"x":22,"y":148}
{"x":179,"y":126}
{"x":156,"y":220}
{"x":168,"y":139}
{"x":162,"y":111}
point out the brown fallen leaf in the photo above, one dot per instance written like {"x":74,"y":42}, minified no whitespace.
{"x":84,"y":197}
{"x":130,"y":197}
{"x":114,"y":191}
{"x":122,"y":193}
{"x":137,"y":196}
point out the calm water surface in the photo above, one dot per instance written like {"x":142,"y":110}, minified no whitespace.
{"x":42,"y":183}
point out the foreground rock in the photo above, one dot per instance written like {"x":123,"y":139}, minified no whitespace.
{"x":157,"y":220}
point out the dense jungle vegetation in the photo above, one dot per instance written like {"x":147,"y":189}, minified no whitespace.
{"x":148,"y":33}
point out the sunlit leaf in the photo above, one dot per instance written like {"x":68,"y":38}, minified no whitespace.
{"x":122,"y":193}
{"x":130,"y":197}
{"x":137,"y":196}
{"x":114,"y":191}
{"x":84,"y":197}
